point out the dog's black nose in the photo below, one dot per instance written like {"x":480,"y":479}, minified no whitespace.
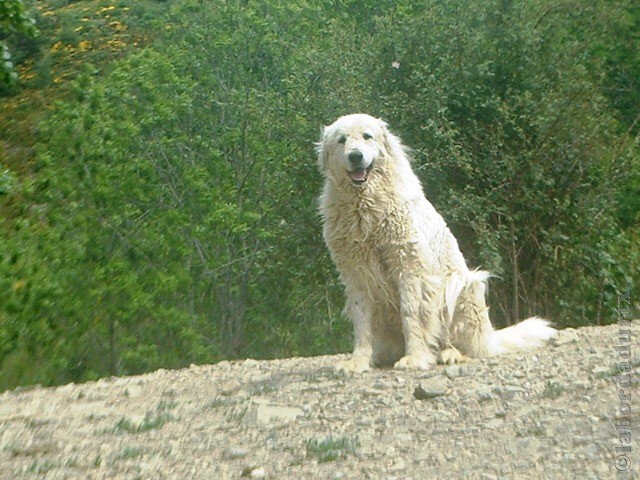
{"x":355,"y":157}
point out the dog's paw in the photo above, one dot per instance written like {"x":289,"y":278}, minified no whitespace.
{"x":414,"y":362}
{"x":451,"y":355}
{"x":353,"y":365}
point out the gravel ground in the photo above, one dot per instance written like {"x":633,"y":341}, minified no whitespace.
{"x":548,"y":413}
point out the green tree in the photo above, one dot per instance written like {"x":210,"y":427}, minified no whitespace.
{"x":13,"y":19}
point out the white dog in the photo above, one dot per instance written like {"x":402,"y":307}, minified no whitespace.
{"x":410,"y":295}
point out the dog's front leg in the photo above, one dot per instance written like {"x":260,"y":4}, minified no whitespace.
{"x":359,"y":310}
{"x":420,"y":322}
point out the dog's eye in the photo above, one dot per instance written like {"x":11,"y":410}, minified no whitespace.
{"x":367,"y":136}
{"x":342,"y":139}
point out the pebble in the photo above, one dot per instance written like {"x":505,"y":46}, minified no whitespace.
{"x":236,"y":452}
{"x":509,"y":391}
{"x":455,"y":371}
{"x":229,"y":387}
{"x":253,"y":472}
{"x":431,"y":388}
{"x":564,"y":337}
{"x":484,"y":394}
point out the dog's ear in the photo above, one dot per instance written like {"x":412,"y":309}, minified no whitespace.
{"x":321,"y":149}
{"x":392,"y":144}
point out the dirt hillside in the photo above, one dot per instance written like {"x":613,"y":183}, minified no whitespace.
{"x":565,"y":411}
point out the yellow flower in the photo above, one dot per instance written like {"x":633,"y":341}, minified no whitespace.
{"x":19,"y":285}
{"x":116,"y":44}
{"x":117,"y":26}
{"x":56,"y":46}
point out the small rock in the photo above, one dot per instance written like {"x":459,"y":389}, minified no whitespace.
{"x":229,"y":388}
{"x":564,"y":337}
{"x":132,"y":391}
{"x":382,"y":385}
{"x":257,"y":473}
{"x":432,"y":388}
{"x":455,"y":371}
{"x":236,"y":452}
{"x":452,"y":371}
{"x":264,"y":414}
{"x":253,"y":472}
{"x":488,"y":476}
{"x":485,"y":395}
{"x":370,"y":392}
{"x":494,"y":423}
{"x":602,"y":371}
{"x":509,"y":392}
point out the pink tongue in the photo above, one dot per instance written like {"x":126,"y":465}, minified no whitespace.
{"x":358,"y":175}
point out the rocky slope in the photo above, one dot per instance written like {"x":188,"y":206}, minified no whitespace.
{"x":549,"y":413}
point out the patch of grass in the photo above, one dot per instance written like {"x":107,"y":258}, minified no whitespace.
{"x":552,"y":390}
{"x":615,"y":369}
{"x":531,"y":431}
{"x":35,"y":422}
{"x":325,"y":373}
{"x":264,"y":388}
{"x":128,"y":453}
{"x":151,"y":421}
{"x":41,"y":468}
{"x":125,"y":425}
{"x":216,"y":403}
{"x":237,"y":414}
{"x":166,"y":405}
{"x":72,"y":462}
{"x":330,"y":449}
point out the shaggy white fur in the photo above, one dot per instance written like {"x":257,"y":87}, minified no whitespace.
{"x":410,"y":295}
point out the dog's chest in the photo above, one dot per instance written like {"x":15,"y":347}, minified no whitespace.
{"x":369,"y":231}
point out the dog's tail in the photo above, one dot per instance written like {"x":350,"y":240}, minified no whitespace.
{"x":530,"y":333}
{"x":468,"y":291}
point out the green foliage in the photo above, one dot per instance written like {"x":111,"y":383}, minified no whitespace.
{"x":13,"y":19}
{"x":330,"y":449}
{"x":168,"y":215}
{"x":151,"y":422}
{"x":552,"y":390}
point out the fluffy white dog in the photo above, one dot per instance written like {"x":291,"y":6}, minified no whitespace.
{"x":410,"y":295}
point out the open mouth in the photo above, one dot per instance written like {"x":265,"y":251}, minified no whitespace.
{"x":359,"y":175}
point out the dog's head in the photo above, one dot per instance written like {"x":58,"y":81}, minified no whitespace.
{"x":356,"y":146}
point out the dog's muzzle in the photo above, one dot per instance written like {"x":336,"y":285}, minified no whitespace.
{"x":358,"y":172}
